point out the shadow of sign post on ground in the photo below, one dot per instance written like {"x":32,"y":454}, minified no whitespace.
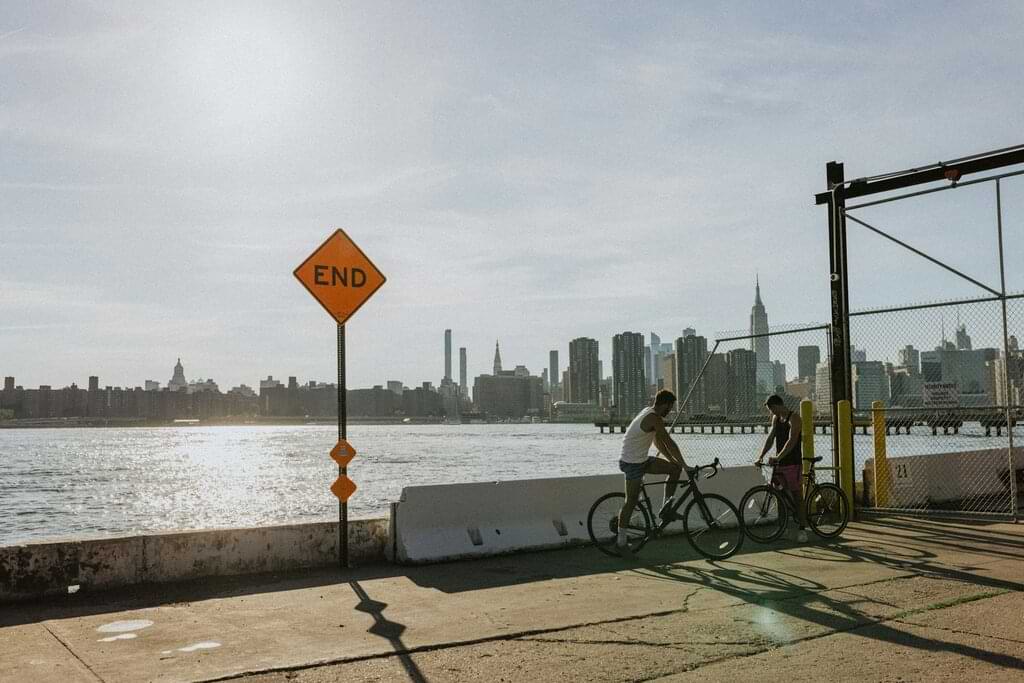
{"x":390,"y":630}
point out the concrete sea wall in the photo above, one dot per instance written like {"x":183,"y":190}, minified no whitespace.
{"x":35,"y":570}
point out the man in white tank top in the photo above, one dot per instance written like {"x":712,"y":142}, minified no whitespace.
{"x":648,"y":428}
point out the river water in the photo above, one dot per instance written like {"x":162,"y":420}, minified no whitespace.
{"x":117,"y":481}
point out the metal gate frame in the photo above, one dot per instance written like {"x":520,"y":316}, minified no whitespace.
{"x":835,"y":197}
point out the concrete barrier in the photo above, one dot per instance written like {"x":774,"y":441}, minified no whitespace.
{"x":920,"y":480}
{"x":451,"y":521}
{"x":34,"y":570}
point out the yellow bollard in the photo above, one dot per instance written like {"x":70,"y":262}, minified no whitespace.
{"x":845,"y":428}
{"x":807,"y":436}
{"x":882,"y":477}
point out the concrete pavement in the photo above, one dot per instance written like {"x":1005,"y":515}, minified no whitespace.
{"x":897,"y":599}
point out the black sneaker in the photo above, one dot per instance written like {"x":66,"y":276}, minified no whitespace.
{"x":666,"y":514}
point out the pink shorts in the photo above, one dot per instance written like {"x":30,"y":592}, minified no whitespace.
{"x":787,"y":476}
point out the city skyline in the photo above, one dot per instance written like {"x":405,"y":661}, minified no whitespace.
{"x":168,"y":168}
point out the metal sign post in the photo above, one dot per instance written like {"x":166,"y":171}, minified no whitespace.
{"x":341,"y":277}
{"x":342,"y":436}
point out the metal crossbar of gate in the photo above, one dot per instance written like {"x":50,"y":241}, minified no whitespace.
{"x":934,"y":431}
{"x":722,"y":392}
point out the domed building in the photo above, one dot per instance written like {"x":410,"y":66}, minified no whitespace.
{"x":178,"y":381}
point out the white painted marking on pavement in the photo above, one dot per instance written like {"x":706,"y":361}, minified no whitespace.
{"x":124,"y":626}
{"x":121,"y":636}
{"x":205,"y":645}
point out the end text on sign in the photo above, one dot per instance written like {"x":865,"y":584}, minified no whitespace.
{"x":333,"y":276}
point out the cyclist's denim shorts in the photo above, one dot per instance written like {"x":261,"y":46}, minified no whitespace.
{"x":635,"y":470}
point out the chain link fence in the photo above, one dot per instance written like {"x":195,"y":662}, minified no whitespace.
{"x":725,"y":383}
{"x":936,"y":397}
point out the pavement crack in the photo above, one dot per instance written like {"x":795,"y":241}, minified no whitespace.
{"x":72,"y":652}
{"x":958,"y":631}
{"x":868,"y":622}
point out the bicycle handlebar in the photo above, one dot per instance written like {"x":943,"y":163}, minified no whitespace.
{"x":695,"y":472}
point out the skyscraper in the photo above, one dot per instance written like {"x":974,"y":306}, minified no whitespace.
{"x":448,"y":355}
{"x":807,"y":359}
{"x":463,"y":379}
{"x":691,"y":352}
{"x":963,"y":340}
{"x":629,"y":382}
{"x":655,"y":373}
{"x":553,"y":367}
{"x":742,"y":382}
{"x":688,"y":332}
{"x":870,"y":383}
{"x":497,"y":359}
{"x":910,"y":358}
{"x":759,"y":325}
{"x":584,"y":371}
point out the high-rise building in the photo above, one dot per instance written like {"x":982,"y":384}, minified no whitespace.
{"x":691,"y":352}
{"x":497,"y":359}
{"x":963,"y":340}
{"x":807,"y":359}
{"x":779,"y":375}
{"x":448,"y":355}
{"x":553,"y":372}
{"x":655,"y":374}
{"x":152,"y":385}
{"x":759,"y":326}
{"x":688,"y":332}
{"x":858,"y":355}
{"x":394,"y":387}
{"x":584,"y":371}
{"x":629,"y":382}
{"x":931,"y":366}
{"x":716,"y":383}
{"x":742,"y":382}
{"x":668,"y":374}
{"x":823,"y":389}
{"x":910,"y":358}
{"x":870,"y":383}
{"x":648,"y":363}
{"x":463,"y":379}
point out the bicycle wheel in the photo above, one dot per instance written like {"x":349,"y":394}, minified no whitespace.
{"x":603,"y":524}
{"x":764,"y":514}
{"x":828,"y":510}
{"x":716,"y":534}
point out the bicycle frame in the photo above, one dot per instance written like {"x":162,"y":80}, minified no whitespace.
{"x":691,"y":490}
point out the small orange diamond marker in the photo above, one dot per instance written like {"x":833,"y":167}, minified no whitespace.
{"x":343,"y":453}
{"x":343,"y":488}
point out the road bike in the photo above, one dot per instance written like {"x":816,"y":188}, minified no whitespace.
{"x":766,"y":509}
{"x":710,"y":522}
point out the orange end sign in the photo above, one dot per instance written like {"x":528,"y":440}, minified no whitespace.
{"x":343,"y":488}
{"x":343,"y":453}
{"x":340,"y":276}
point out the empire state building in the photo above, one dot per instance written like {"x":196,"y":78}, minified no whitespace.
{"x":759,"y":325}
{"x":765,"y":371}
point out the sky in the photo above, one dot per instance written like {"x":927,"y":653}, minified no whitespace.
{"x":522,"y":172}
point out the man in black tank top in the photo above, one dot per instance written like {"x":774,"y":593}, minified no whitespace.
{"x":785,"y":433}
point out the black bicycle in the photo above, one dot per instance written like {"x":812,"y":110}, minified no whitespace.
{"x":766,"y":509}
{"x":711,"y":523}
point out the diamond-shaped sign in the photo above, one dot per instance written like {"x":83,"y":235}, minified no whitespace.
{"x":343,"y":453}
{"x":343,"y":488}
{"x":340,"y":276}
